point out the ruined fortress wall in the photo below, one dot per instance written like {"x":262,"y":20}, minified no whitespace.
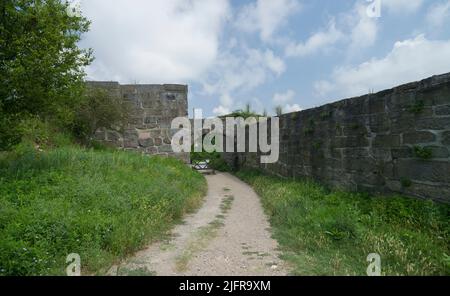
{"x":394,"y":141}
{"x":153,"y":107}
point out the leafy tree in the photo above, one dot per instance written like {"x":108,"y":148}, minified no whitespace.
{"x":41,"y":65}
{"x":279,"y":110}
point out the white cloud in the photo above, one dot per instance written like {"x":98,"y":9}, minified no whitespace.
{"x":226,"y":103}
{"x":292,"y":108}
{"x":354,"y":27}
{"x":439,"y":13}
{"x":220,"y":111}
{"x":409,"y":60}
{"x":317,"y":42}
{"x":283,"y":98}
{"x":242,"y":70}
{"x":174,"y":41}
{"x":364,"y":29}
{"x":266,"y":16}
{"x":226,"y":100}
{"x":274,"y":63}
{"x":402,"y":6}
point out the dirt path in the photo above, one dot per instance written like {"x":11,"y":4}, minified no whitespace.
{"x":228,"y":236}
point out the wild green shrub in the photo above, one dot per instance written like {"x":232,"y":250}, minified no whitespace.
{"x":331,"y":233}
{"x":215,"y":159}
{"x":99,"y":109}
{"x":424,"y":153}
{"x":101,"y":205}
{"x":9,"y":133}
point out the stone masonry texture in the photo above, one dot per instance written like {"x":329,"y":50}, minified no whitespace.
{"x":153,"y":107}
{"x":394,"y":141}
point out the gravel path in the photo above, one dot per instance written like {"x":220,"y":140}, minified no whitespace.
{"x":228,"y":236}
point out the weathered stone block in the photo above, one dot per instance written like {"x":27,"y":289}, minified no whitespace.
{"x":393,"y":185}
{"x":439,"y":123}
{"x":350,"y":142}
{"x":379,"y":123}
{"x":370,"y":179}
{"x":165,"y":149}
{"x":151,"y":120}
{"x":443,"y":110}
{"x":400,"y":101}
{"x":377,"y":105}
{"x":418,"y":137}
{"x":130,"y":143}
{"x":446,"y":138}
{"x":402,"y":124}
{"x":386,"y":141}
{"x":355,"y":152}
{"x":354,"y":129}
{"x":176,"y":88}
{"x":402,"y":152}
{"x":421,"y":170}
{"x":439,"y":193}
{"x":146,"y":142}
{"x":336,"y":153}
{"x":381,"y":153}
{"x":439,"y":152}
{"x":100,"y":135}
{"x":113,"y":136}
{"x":152,"y":150}
{"x":359,"y":164}
{"x":155,"y":133}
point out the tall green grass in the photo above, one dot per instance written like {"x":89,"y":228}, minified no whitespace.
{"x":101,"y":205}
{"x":332,"y":233}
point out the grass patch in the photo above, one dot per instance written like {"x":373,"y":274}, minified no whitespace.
{"x":141,"y":271}
{"x":331,"y":233}
{"x":225,"y":207}
{"x":200,"y":240}
{"x":101,"y":205}
{"x":203,"y":236}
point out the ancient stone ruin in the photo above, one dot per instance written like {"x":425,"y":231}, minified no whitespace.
{"x":397,"y":140}
{"x":394,"y":141}
{"x":153,"y":107}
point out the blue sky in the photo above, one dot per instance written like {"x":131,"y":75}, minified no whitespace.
{"x":294,"y":53}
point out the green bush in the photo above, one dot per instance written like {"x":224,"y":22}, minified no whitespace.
{"x":32,"y":131}
{"x":9,"y":133}
{"x":99,"y":109}
{"x":101,"y":205}
{"x":332,"y":233}
{"x":424,"y":153}
{"x":216,"y":161}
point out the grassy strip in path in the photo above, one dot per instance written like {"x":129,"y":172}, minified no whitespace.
{"x":101,"y":205}
{"x":203,"y":236}
{"x":332,"y":233}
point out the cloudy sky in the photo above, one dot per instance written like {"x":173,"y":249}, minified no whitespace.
{"x":294,"y":53}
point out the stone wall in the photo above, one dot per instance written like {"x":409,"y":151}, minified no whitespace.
{"x":153,"y":107}
{"x":394,"y":141}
